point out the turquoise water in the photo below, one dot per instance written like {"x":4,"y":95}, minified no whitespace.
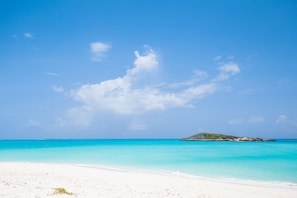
{"x":261,"y":161}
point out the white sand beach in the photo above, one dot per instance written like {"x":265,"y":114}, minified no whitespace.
{"x":36,"y":180}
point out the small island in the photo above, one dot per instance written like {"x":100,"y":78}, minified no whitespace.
{"x":224,"y":138}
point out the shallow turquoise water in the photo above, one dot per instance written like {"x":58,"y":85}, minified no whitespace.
{"x":262,"y":161}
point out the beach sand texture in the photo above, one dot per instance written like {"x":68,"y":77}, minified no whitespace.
{"x":34,"y":180}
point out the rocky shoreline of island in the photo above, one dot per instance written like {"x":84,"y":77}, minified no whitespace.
{"x":224,"y":138}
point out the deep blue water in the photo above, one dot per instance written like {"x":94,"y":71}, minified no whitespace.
{"x":262,"y":161}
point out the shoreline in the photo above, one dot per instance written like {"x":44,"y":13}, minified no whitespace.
{"x":30,"y":179}
{"x":220,"y":179}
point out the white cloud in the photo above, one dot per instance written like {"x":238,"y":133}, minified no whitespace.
{"x":28,"y":35}
{"x":98,"y":50}
{"x":227,"y":70}
{"x":119,"y":95}
{"x":256,"y":119}
{"x":198,"y":91}
{"x":281,"y":119}
{"x":58,"y":89}
{"x":231,"y":68}
{"x":125,"y":95}
{"x":145,"y":63}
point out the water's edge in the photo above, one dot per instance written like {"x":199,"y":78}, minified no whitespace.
{"x":260,"y":161}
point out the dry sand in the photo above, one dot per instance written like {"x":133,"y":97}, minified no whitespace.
{"x":33,"y":180}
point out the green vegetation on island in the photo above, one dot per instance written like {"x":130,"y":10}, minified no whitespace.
{"x":221,"y":137}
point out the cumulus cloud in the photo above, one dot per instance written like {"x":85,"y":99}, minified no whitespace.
{"x":125,"y":95}
{"x":98,"y":50}
{"x":28,"y":35}
{"x":121,"y":95}
{"x":145,"y":63}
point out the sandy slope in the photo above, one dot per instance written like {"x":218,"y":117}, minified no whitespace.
{"x":39,"y":180}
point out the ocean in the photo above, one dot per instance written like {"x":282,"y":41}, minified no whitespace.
{"x":257,"y":161}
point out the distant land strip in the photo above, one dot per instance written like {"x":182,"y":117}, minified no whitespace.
{"x":224,"y":138}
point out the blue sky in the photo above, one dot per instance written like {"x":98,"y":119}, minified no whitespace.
{"x":147,"y":69}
